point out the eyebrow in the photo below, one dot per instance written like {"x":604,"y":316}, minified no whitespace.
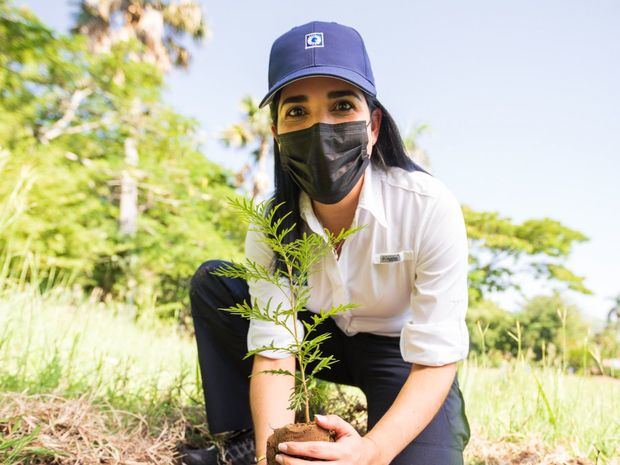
{"x":331,"y":95}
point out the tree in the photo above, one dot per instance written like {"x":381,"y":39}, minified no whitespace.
{"x":549,"y":320}
{"x":501,"y":250}
{"x":64,"y":221}
{"x":488,"y":326}
{"x":157,"y":26}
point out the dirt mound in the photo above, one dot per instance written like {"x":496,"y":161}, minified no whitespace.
{"x":309,"y":431}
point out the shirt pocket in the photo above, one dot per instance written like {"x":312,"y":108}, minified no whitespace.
{"x":392,"y":280}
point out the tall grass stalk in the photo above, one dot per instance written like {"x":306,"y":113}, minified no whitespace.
{"x":518,"y":337}
{"x":482,"y":334}
{"x":563,"y":315}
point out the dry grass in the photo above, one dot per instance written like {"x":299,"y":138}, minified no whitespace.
{"x":530,"y":451}
{"x":45,"y":429}
{"x":526,"y":452}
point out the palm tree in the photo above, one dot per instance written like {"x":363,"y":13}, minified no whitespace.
{"x":418,"y":154}
{"x":254,"y":130}
{"x":158,"y":25}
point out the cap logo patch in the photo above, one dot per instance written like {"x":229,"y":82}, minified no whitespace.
{"x":314,"y":39}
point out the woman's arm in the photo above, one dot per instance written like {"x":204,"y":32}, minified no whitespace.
{"x":415,"y":406}
{"x":418,"y":401}
{"x":269,"y":396}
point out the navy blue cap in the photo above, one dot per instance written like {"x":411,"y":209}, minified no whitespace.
{"x":319,"y":49}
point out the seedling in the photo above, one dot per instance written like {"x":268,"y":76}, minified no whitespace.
{"x":300,"y":259}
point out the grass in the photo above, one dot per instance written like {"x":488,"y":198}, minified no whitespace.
{"x":61,"y":349}
{"x":65,"y":343}
{"x":518,"y":402}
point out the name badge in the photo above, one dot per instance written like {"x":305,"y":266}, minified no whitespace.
{"x":382,"y":258}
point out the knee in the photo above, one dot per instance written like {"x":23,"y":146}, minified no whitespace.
{"x":203,"y":275}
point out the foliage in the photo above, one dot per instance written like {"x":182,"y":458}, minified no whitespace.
{"x":501,"y":250}
{"x":488,"y":326}
{"x":551,"y":320}
{"x":159,"y":25}
{"x":63,"y":121}
{"x":301,"y":258}
{"x":607,"y":342}
{"x":547,"y":329}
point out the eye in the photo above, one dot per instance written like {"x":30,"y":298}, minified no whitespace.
{"x":294,"y":112}
{"x":344,"y":106}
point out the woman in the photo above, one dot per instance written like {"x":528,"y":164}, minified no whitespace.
{"x":340,"y":162}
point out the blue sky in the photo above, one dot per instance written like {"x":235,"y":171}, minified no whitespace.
{"x":522,"y":99}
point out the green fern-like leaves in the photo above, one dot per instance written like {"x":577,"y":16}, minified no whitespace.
{"x":301,"y":258}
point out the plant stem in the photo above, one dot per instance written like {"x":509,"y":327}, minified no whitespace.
{"x":302,"y":367}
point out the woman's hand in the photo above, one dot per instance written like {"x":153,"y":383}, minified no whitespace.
{"x":349,"y":449}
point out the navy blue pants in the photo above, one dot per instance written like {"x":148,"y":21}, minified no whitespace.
{"x":369,"y":361}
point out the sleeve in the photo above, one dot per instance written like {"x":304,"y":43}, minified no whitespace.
{"x":262,"y":333}
{"x":436,"y":333}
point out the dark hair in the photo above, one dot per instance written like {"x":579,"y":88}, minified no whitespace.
{"x":389,"y":150}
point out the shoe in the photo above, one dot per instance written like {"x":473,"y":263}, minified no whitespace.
{"x":237,"y":449}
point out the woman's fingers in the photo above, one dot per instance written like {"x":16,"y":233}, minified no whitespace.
{"x":312,"y":449}
{"x":339,"y":425}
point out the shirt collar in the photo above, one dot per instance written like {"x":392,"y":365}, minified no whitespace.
{"x":371,"y":199}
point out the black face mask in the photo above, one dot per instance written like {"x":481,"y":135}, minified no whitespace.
{"x":326,"y":160}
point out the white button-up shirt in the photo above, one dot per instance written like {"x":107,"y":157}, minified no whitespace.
{"x":406,"y":270}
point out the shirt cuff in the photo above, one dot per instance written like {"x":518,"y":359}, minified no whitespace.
{"x":263,"y":333}
{"x":434,"y":344}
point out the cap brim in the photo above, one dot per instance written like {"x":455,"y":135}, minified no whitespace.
{"x":339,"y":73}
